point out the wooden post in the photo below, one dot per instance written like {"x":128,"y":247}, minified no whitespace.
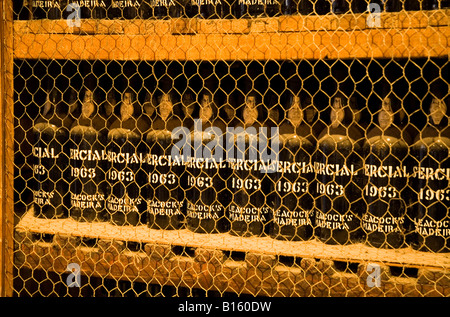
{"x":6,"y":148}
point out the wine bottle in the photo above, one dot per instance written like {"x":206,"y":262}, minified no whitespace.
{"x":88,"y":162}
{"x":293,"y":202}
{"x":206,"y":194}
{"x":126,"y":155}
{"x":338,"y":169}
{"x":387,"y":172}
{"x":431,"y":176}
{"x":165,"y":196}
{"x":248,"y":212}
{"x":50,"y":160}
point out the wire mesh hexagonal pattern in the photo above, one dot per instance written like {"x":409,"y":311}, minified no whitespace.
{"x":218,"y":148}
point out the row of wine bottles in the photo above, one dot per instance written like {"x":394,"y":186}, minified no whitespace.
{"x":108,"y":161}
{"x":208,"y":9}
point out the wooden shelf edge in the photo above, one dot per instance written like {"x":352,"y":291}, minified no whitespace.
{"x":256,"y":274}
{"x":292,"y":23}
{"x":226,"y":242}
{"x":374,"y":43}
{"x":403,"y":34}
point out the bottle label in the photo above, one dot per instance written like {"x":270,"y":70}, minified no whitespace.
{"x":334,"y":221}
{"x":431,"y":180}
{"x":164,"y":194}
{"x":87,"y":172}
{"x":339,"y":190}
{"x":162,"y":3}
{"x":86,"y":201}
{"x":125,"y":3}
{"x":45,"y":160}
{"x":335,"y":169}
{"x":297,"y":218}
{"x":46,"y":4}
{"x":126,"y":178}
{"x":431,"y":173}
{"x":292,"y":201}
{"x":249,"y":214}
{"x":123,"y":204}
{"x":248,"y":203}
{"x":385,"y":224}
{"x":42,"y":197}
{"x":165,"y":208}
{"x":257,"y":2}
{"x":42,"y":152}
{"x":202,"y":211}
{"x":385,"y":181}
{"x":431,"y":227}
{"x":89,"y":3}
{"x":204,"y":180}
{"x":206,"y":2}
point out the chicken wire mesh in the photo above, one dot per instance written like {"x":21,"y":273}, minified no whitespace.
{"x":225,"y":176}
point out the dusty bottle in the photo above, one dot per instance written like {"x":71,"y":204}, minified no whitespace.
{"x":126,"y":154}
{"x":88,"y":162}
{"x":293,"y":203}
{"x":248,"y":212}
{"x":386,"y":171}
{"x":431,"y":176}
{"x":206,"y":194}
{"x":165,"y":196}
{"x":50,"y":159}
{"x":338,"y":169}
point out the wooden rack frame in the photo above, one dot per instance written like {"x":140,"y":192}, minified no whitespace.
{"x":265,"y":267}
{"x":315,"y":269}
{"x":404,"y":34}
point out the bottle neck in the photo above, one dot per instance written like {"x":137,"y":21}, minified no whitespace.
{"x":127,"y":108}
{"x":437,"y":113}
{"x":165,"y":107}
{"x":188,"y":104}
{"x":88,"y":107}
{"x":386,"y":115}
{"x":250,"y":114}
{"x":206,"y":109}
{"x":337,"y":112}
{"x":295,"y":113}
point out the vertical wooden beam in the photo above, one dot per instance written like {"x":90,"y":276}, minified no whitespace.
{"x":6,"y":148}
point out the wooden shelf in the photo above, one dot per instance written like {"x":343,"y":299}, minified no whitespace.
{"x":403,"y":34}
{"x":226,"y":242}
{"x":314,"y":269}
